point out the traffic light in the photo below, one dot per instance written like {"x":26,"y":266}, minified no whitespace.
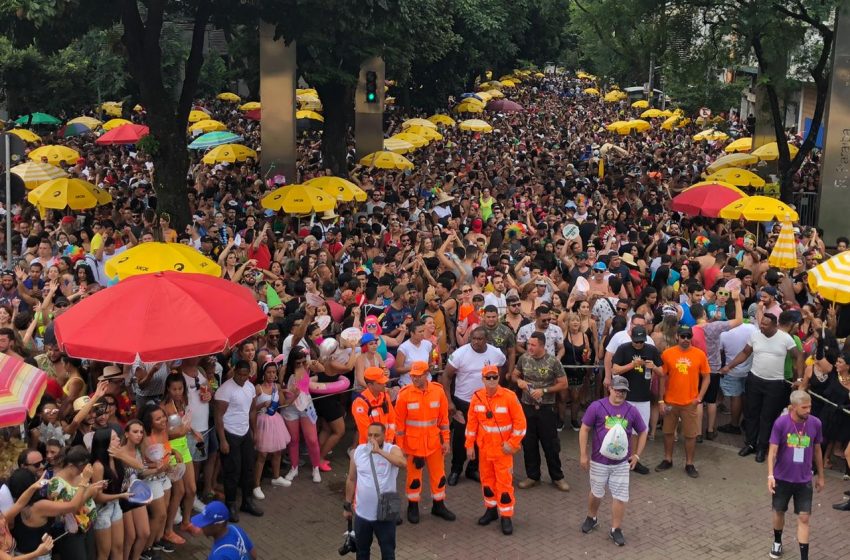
{"x":371,"y":86}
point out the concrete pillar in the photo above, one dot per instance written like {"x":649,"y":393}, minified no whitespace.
{"x":277,"y":96}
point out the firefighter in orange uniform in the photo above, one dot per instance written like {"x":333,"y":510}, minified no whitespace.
{"x":374,"y":405}
{"x":496,"y":423}
{"x":422,"y":414}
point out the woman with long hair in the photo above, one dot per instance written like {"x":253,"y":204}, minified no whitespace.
{"x":646,"y":303}
{"x":137,"y":528}
{"x":25,"y":527}
{"x":578,"y":351}
{"x":300,"y":415}
{"x":108,"y":465}
{"x":72,"y":478}
{"x":175,"y":403}
{"x":159,"y":458}
{"x":271,"y":437}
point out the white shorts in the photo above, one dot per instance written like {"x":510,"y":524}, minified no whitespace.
{"x":107,"y":514}
{"x":643,"y":408}
{"x":158,"y":486}
{"x":615,"y":477}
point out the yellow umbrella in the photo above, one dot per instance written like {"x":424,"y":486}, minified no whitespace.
{"x":759,"y":209}
{"x":34,"y":173}
{"x":25,"y":135}
{"x":138,"y":108}
{"x":307,"y":91}
{"x":652,"y":114}
{"x":398,"y":146}
{"x":667,"y":113}
{"x":739,"y":145}
{"x":250,"y":106}
{"x":469,"y":108}
{"x":732,"y":160}
{"x":490,"y":85}
{"x":310,"y":105}
{"x":306,"y":97}
{"x":312,"y":115}
{"x":90,"y":122}
{"x":494,"y":93}
{"x":339,"y":188}
{"x":476,"y":125}
{"x":114,"y":123}
{"x":615,"y":126}
{"x":738,"y":177}
{"x":55,"y":154}
{"x":197,"y":116}
{"x":415,"y":139}
{"x":298,"y":199}
{"x":635,"y":125}
{"x":508,"y":83}
{"x":831,"y":279}
{"x":424,"y":123}
{"x":723,"y":184}
{"x":485,"y":96}
{"x":229,"y":97}
{"x":428,"y":133}
{"x":112,"y":108}
{"x":710,"y":135}
{"x":153,"y":257}
{"x":207,"y":125}
{"x":591,"y":91}
{"x":784,"y":254}
{"x":386,"y":160}
{"x":770,"y":152}
{"x":68,"y":193}
{"x":641,"y":104}
{"x":442,"y":119}
{"x":230,"y":153}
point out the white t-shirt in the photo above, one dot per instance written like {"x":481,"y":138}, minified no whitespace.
{"x":469,"y":364}
{"x":366,"y":502}
{"x":623,"y":337}
{"x":200,"y":410}
{"x":498,"y":301}
{"x":414,"y":354}
{"x":731,"y":344}
{"x":6,"y":499}
{"x":239,"y":401}
{"x":769,"y":354}
{"x":554,"y":336}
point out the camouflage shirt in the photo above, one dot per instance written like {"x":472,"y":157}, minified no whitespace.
{"x":501,"y":336}
{"x":539,"y":373}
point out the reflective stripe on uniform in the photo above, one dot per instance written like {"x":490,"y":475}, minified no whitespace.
{"x":519,"y":432}
{"x":391,"y":427}
{"x":467,"y":433}
{"x":502,"y":409}
{"x":497,"y":429}
{"x":480,"y":408}
{"x":375,"y":412}
{"x":505,"y":509}
{"x":413,"y":496}
{"x":434,"y":404}
{"x":421,"y":423}
{"x":412,"y":405}
{"x":439,"y":496}
{"x":490,"y":503}
{"x":444,"y":428}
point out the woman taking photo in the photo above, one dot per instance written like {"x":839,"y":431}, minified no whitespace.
{"x":108,"y":466}
{"x":271,"y":437}
{"x":136,"y":526}
{"x":30,"y":518}
{"x":300,"y":416}
{"x":159,"y":458}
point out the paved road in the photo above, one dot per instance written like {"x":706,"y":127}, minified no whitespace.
{"x":725,"y":514}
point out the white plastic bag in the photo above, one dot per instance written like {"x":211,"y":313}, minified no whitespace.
{"x":615,"y":444}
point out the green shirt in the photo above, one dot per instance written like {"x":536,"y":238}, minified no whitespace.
{"x":539,"y":373}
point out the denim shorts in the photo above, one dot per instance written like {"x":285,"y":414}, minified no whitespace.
{"x":733,"y":386}
{"x":158,"y":486}
{"x":800,"y":491}
{"x":210,"y":446}
{"x":107,"y":514}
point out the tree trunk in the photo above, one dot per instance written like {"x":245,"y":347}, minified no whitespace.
{"x":171,"y":162}
{"x":337,"y":100}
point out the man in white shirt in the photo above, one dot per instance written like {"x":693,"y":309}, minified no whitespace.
{"x":497,"y":298}
{"x":733,"y":383}
{"x":414,"y":349}
{"x":235,"y":422}
{"x":543,"y":323}
{"x":464,"y":367}
{"x":767,"y":393}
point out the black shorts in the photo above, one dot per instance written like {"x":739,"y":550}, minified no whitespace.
{"x":800,"y":491}
{"x":329,"y":407}
{"x":713,"y":389}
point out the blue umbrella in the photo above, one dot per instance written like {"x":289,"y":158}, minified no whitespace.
{"x":213,"y":139}
{"x":465,"y":95}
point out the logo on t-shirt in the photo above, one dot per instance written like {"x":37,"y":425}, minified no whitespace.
{"x":798,"y":441}
{"x":611,"y":421}
{"x":683,"y":365}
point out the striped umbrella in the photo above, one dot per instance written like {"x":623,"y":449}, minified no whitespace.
{"x":784,"y":254}
{"x":213,"y":139}
{"x":831,"y":279}
{"x":21,"y":388}
{"x":35,"y":173}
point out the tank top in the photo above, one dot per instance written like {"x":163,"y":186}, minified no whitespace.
{"x":28,"y":538}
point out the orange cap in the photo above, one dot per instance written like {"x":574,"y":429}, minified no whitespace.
{"x":489,"y":369}
{"x":419,"y":368}
{"x":375,"y":375}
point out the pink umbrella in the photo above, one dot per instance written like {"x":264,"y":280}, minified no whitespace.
{"x":504,"y":106}
{"x":705,"y":199}
{"x":124,"y":134}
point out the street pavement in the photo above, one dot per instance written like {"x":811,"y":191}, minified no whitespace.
{"x":724,"y":514}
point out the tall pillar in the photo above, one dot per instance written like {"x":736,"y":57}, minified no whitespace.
{"x":277,"y":96}
{"x":834,"y":199}
{"x":369,"y":117}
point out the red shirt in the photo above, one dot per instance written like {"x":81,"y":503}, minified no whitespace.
{"x":261,"y":255}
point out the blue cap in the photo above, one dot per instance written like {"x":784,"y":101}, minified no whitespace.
{"x":571,"y":204}
{"x":367,"y":338}
{"x":599,"y":265}
{"x":215,"y":512}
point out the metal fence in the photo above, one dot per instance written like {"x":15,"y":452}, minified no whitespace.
{"x":807,"y":207}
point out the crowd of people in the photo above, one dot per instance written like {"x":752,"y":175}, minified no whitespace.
{"x":503,"y":290}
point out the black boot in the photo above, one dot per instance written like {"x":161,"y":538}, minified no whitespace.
{"x":489,"y":516}
{"x":413,"y":512}
{"x":507,"y":526}
{"x":234,"y":515}
{"x":843,"y":506}
{"x":439,"y":509}
{"x":248,"y":506}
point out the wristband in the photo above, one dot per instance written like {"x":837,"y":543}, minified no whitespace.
{"x":770,"y":477}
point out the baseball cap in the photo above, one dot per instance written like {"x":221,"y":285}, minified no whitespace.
{"x":618,"y":382}
{"x":489,"y":369}
{"x":419,"y":368}
{"x":367,"y":338}
{"x":214,"y":512}
{"x":581,"y":256}
{"x":571,"y":205}
{"x":375,"y":375}
{"x":600,"y":266}
{"x":638,"y":334}
{"x":685,"y":329}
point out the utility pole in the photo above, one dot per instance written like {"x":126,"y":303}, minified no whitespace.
{"x":651,"y":79}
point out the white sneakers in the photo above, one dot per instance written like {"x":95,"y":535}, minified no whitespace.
{"x":317,"y":477}
{"x":292,"y":474}
{"x":280,"y":481}
{"x":198,"y":506}
{"x":258,"y":493}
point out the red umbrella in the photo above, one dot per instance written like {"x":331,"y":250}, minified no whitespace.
{"x":706,"y":199}
{"x":253,"y":114}
{"x":159,"y":317}
{"x":504,"y":106}
{"x":124,"y":134}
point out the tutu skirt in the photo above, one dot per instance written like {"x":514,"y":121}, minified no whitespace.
{"x":272,"y":435}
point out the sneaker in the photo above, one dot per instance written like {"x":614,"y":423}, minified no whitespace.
{"x":590,"y":523}
{"x":664,"y":465}
{"x":317,"y":476}
{"x":149,"y":554}
{"x":576,"y":425}
{"x":173,"y":538}
{"x":198,"y":506}
{"x":258,"y":493}
{"x":776,"y":550}
{"x":640,"y":468}
{"x":559,"y":425}
{"x":700,"y":439}
{"x":617,"y":536}
{"x":164,"y":546}
{"x":280,"y":481}
{"x":325,"y":466}
{"x":292,"y":474}
{"x":691,"y":471}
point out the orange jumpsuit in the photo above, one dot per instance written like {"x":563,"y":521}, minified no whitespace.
{"x":423,"y":425}
{"x":367,"y":409}
{"x":491,"y":422}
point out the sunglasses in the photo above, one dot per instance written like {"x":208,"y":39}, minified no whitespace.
{"x":39,"y":465}
{"x":686,"y":336}
{"x":622,"y":309}
{"x":466,"y":291}
{"x":491,"y":377}
{"x":724,"y":294}
{"x":513,"y":303}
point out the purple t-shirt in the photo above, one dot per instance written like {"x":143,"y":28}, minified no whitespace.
{"x":601,"y":416}
{"x":796,"y":443}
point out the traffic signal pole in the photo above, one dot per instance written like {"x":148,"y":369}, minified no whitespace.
{"x":369,"y":108}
